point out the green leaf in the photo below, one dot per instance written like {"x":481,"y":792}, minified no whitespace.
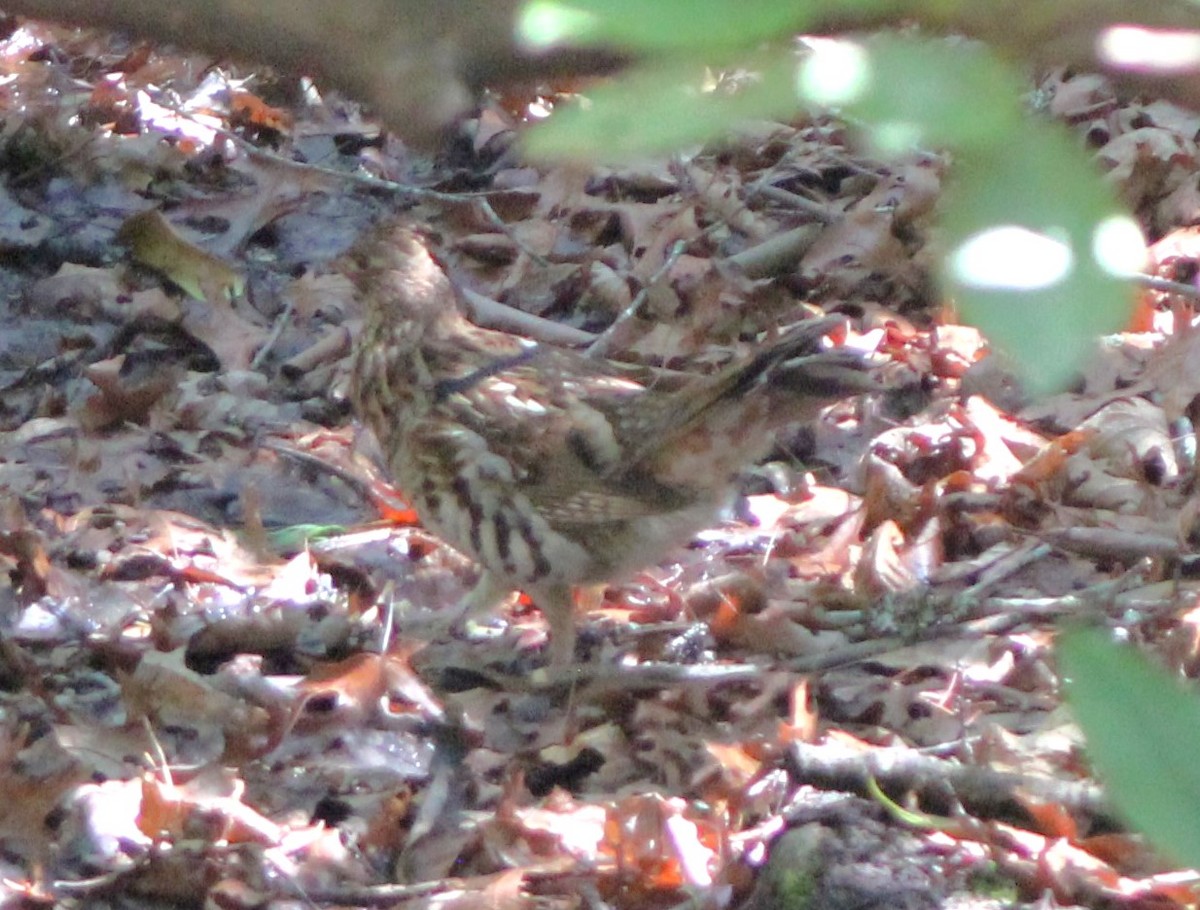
{"x":660,"y":25}
{"x":916,"y":92}
{"x":660,"y":107}
{"x":1029,"y":230}
{"x":1143,"y":734}
{"x":295,"y":538}
{"x":1028,"y":226}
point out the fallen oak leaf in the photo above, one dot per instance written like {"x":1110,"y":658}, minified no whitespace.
{"x":175,"y":811}
{"x":127,"y":389}
{"x":358,"y":689}
{"x":163,"y":686}
{"x":233,"y":339}
{"x":663,"y":844}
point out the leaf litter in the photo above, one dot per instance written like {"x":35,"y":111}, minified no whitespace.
{"x":224,"y":679}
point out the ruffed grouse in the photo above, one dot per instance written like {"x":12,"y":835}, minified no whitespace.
{"x":549,"y":468}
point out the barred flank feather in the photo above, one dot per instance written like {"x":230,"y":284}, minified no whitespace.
{"x":549,"y":468}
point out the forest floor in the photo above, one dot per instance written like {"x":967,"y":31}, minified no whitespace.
{"x":226,"y":671}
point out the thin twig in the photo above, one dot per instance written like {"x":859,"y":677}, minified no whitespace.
{"x":493,"y":217}
{"x":821,"y":212}
{"x":281,"y":322}
{"x":599,"y":347}
{"x":1178,"y":288}
{"x":493,"y":314}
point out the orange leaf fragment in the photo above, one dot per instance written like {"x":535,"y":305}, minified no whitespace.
{"x":356,"y":689}
{"x":1052,"y":819}
{"x":1050,"y":461}
{"x":803,"y":722}
{"x":659,"y":844}
{"x":174,"y":811}
{"x":246,"y":108}
{"x":392,"y":506}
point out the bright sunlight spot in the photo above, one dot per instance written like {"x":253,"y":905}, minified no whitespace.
{"x":897,"y":137}
{"x":834,"y":73}
{"x":1133,"y":47}
{"x":542,"y":24}
{"x":1011,"y":257}
{"x":1119,"y":247}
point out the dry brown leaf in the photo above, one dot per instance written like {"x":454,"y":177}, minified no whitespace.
{"x":126,"y":395}
{"x":1174,"y":372}
{"x":79,"y":292}
{"x":163,"y":688}
{"x":176,"y":812}
{"x":661,"y":844}
{"x":361,"y":688}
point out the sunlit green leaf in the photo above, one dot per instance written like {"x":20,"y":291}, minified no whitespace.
{"x":1022,"y":211}
{"x":935,"y":93}
{"x":295,"y":538}
{"x":1143,"y":736}
{"x":661,"y":25}
{"x":662,"y":108}
{"x":1020,"y":232}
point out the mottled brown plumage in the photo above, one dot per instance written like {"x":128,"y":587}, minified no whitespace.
{"x":549,"y":468}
